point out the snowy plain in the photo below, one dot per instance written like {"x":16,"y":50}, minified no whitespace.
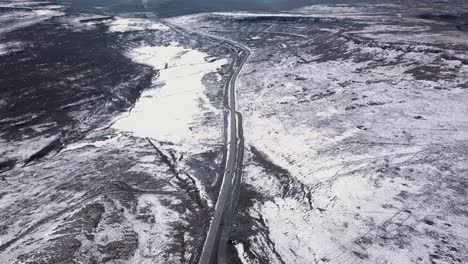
{"x":355,"y":127}
{"x":356,"y":138}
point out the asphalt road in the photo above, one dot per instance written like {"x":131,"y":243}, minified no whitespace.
{"x":218,"y":232}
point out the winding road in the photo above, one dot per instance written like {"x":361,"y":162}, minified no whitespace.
{"x":215,"y":246}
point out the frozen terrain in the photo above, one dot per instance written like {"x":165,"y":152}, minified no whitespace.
{"x":115,"y":133}
{"x":356,"y":134}
{"x":110,"y":154}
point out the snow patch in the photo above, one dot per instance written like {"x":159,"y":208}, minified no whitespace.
{"x":241,"y":253}
{"x":151,"y":233}
{"x":13,"y":20}
{"x":9,"y":47}
{"x":135,"y":24}
{"x":96,"y":144}
{"x":167,"y":111}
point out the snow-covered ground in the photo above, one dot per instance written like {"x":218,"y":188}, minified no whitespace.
{"x":134,"y":187}
{"x":356,"y":138}
{"x":26,"y":14}
{"x":175,"y":110}
{"x":354,"y":120}
{"x":170,"y":110}
{"x":135,"y":24}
